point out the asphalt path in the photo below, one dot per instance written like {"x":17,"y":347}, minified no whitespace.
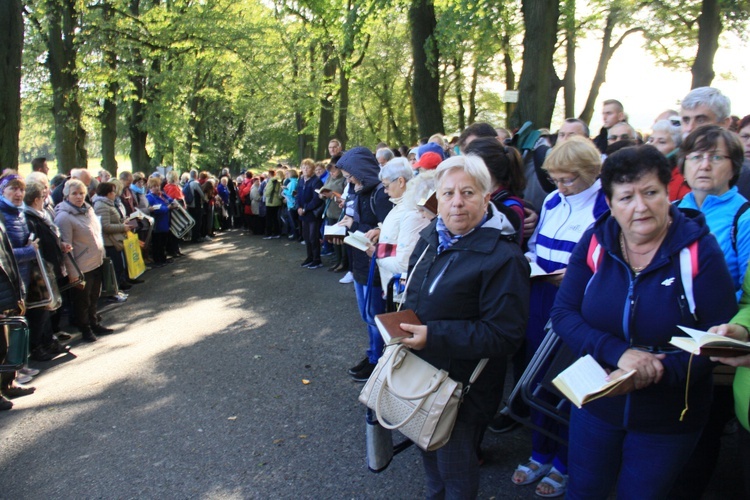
{"x":226,"y":378}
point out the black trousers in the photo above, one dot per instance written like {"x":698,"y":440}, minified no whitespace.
{"x":311,"y":235}
{"x":197,"y":214}
{"x":118,"y":260}
{"x":84,"y":301}
{"x":272,"y":221}
{"x":40,"y":328}
{"x":159,"y":248}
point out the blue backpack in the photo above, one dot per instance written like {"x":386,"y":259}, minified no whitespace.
{"x":187,"y":191}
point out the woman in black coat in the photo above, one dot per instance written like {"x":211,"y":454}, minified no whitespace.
{"x":469,"y":286}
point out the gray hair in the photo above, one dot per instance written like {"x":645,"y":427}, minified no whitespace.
{"x":472,"y":164}
{"x":712,"y":97}
{"x":384,"y":154}
{"x":72,"y":183}
{"x":193,"y":173}
{"x":419,"y":188}
{"x":395,"y":168}
{"x":36,"y":176}
{"x":674,"y":131}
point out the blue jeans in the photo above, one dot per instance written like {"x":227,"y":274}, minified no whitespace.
{"x":643,"y":465}
{"x":368,"y":312}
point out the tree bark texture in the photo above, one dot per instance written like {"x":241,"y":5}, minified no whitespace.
{"x":325,"y":123}
{"x":539,"y":84}
{"x":108,"y":116}
{"x":569,"y":81}
{"x":70,"y":137}
{"x":510,"y":76}
{"x":709,"y":29}
{"x":425,"y":57}
{"x":11,"y":48}
{"x":343,"y":111}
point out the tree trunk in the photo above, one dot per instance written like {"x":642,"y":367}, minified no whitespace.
{"x":139,"y":158}
{"x":11,"y":47}
{"x":108,"y":116}
{"x":425,"y":58}
{"x":341,"y":134}
{"x":709,"y":29}
{"x":325,"y":123}
{"x":473,"y":94}
{"x":539,"y":84}
{"x":70,"y":137}
{"x":569,"y":81}
{"x":459,"y":95}
{"x":510,"y":76}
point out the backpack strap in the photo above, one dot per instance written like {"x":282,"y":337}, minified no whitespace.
{"x":594,"y":254}
{"x":733,"y":232}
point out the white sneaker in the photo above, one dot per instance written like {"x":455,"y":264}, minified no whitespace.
{"x":348,"y":278}
{"x":22,"y":379}
{"x":31,"y":372}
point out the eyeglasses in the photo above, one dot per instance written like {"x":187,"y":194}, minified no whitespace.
{"x":564,"y":182}
{"x":713,"y":159}
{"x":622,"y":137}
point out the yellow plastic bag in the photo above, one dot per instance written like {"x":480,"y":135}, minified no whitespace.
{"x":133,"y":256}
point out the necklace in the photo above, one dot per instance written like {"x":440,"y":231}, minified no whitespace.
{"x":626,"y":251}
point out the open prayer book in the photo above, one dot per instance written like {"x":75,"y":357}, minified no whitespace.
{"x":334,"y":230}
{"x":358,"y":240}
{"x":389,"y":325}
{"x":429,"y":203}
{"x":585,"y":380}
{"x":536,"y":270}
{"x":710,"y":344}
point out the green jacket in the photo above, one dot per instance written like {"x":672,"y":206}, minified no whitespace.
{"x":272,"y":193}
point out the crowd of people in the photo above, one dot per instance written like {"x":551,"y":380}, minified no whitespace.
{"x":633,"y":237}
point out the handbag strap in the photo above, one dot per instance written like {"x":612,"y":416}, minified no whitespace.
{"x":408,"y":278}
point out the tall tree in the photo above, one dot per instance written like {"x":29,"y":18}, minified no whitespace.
{"x":425,"y":57}
{"x":11,"y":50}
{"x":539,"y":84}
{"x":709,"y":29}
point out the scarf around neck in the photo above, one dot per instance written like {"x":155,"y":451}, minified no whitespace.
{"x":446,"y":239}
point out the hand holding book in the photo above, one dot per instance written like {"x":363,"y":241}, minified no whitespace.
{"x":736,"y":332}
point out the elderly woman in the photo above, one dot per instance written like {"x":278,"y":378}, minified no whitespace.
{"x":470,"y":289}
{"x":335,"y":184}
{"x":667,"y":138}
{"x":159,"y":204}
{"x":12,"y":190}
{"x":400,"y":230}
{"x":80,"y":227}
{"x":42,"y":343}
{"x":623,"y":295}
{"x":744,"y":133}
{"x":712,"y":160}
{"x":114,"y":228}
{"x":567,"y":212}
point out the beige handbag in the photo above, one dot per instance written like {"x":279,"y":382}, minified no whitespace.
{"x":409,"y":394}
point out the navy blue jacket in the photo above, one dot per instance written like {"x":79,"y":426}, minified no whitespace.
{"x":369,"y":206}
{"x":307,"y":198}
{"x":603,"y":314}
{"x":18,"y":234}
{"x":162,"y":215}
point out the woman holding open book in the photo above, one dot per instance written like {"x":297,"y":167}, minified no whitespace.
{"x":644,"y":268}
{"x":469,"y":287}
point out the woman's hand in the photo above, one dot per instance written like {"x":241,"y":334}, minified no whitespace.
{"x":373,"y":235}
{"x":624,"y":388}
{"x":529,"y":222}
{"x":370,"y":250}
{"x":418,"y":340}
{"x":34,"y":244}
{"x":300,"y":211}
{"x":555,"y":277}
{"x":66,"y":247}
{"x":647,"y":366}
{"x":734,"y":331}
{"x":347,"y":222}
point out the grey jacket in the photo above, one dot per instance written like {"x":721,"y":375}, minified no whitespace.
{"x":80,"y":227}
{"x":113,"y":228}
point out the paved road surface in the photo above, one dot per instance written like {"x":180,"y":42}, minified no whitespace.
{"x":200,"y":394}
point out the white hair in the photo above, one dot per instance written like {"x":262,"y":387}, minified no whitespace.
{"x":395,"y":168}
{"x":472,"y":164}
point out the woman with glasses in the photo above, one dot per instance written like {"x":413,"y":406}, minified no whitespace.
{"x":567,"y":212}
{"x":644,"y":268}
{"x":711,"y":162}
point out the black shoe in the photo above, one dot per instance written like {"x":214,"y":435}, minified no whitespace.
{"x":364,"y":373}
{"x":13,"y":392}
{"x":354,"y":369}
{"x":63,"y":336}
{"x":315,"y":265}
{"x":101,"y":330}
{"x":5,"y":404}
{"x":87,"y":335}
{"x":136,"y":281}
{"x":55,"y":347}
{"x":306,"y":263}
{"x":124,"y":286}
{"x":41,"y":354}
{"x":502,"y":424}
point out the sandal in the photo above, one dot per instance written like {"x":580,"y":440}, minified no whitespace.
{"x":558,"y":487}
{"x":532,"y":474}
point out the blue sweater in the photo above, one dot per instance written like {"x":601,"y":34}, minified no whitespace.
{"x":161,"y":216}
{"x":720,"y":212}
{"x":603,"y":314}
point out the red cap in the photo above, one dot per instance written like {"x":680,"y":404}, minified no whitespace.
{"x":429,"y":161}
